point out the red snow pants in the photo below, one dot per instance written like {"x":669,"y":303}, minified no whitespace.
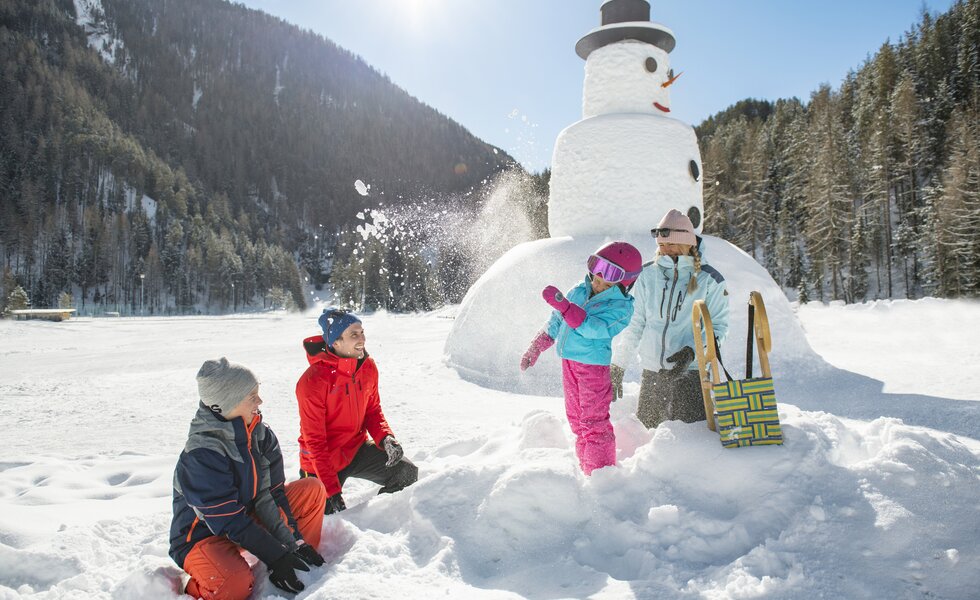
{"x":588,"y":393}
{"x":215,"y":564}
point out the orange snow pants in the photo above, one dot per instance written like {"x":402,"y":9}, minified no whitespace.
{"x":215,"y":564}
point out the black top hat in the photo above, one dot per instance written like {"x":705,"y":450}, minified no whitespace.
{"x":625,"y":20}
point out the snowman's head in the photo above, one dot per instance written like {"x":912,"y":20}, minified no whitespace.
{"x":629,"y":76}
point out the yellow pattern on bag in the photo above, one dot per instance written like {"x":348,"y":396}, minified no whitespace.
{"x":745,"y":413}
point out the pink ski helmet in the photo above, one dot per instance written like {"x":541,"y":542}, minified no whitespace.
{"x":625,"y":267}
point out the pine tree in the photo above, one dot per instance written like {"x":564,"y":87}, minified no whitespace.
{"x":906,"y":116}
{"x":65,"y":300}
{"x":828,"y":193}
{"x":7,"y":285}
{"x":17,"y":300}
{"x":958,"y":210}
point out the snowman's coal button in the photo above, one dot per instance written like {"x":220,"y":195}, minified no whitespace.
{"x":695,"y":171}
{"x":694,"y":215}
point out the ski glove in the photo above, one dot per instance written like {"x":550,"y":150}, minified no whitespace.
{"x":539,"y":344}
{"x":393,"y":449}
{"x":335,"y":504}
{"x":309,"y":555}
{"x":682,"y":359}
{"x":282,"y":573}
{"x":573,"y":314}
{"x":616,"y":375}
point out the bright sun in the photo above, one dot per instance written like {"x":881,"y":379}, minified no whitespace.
{"x":414,"y":11}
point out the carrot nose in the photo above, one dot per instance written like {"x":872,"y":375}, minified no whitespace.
{"x":671,"y":80}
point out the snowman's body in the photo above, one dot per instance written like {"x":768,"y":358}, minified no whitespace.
{"x":621,"y":173}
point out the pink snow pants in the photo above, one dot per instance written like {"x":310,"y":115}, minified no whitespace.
{"x":588,"y":392}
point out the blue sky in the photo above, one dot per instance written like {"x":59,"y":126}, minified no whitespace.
{"x":507,"y":69}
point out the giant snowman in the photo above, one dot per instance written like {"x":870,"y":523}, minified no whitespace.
{"x":615,"y":173}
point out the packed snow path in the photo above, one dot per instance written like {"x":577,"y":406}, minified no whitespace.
{"x":96,"y":411}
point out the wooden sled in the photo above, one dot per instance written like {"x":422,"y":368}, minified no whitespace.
{"x":706,"y":350}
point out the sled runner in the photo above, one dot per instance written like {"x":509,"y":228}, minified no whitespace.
{"x":742,"y":411}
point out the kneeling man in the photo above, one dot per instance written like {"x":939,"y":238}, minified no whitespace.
{"x":339,"y":408}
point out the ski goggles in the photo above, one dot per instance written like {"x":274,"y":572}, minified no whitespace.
{"x":608,"y":270}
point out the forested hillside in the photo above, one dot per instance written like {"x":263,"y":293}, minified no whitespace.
{"x":194,"y":151}
{"x":869,"y":190}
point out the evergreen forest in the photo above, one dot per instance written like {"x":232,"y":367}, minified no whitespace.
{"x":867,"y":191}
{"x":179,"y":156}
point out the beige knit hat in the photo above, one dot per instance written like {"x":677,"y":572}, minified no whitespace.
{"x":675,"y":228}
{"x":223,"y":384}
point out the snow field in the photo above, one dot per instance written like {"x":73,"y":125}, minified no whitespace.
{"x":925,"y":346}
{"x":96,"y":412}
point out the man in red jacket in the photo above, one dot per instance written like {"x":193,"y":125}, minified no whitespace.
{"x":339,"y":407}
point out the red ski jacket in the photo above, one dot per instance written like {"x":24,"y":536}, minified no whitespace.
{"x":338,"y":407}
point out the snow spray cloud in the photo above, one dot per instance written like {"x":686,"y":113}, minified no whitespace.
{"x":419,"y":254}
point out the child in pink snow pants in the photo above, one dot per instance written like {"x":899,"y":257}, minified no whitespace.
{"x":583,"y":324}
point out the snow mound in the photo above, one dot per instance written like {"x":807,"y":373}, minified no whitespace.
{"x":503,"y":310}
{"x":829,"y":514}
{"x":842,"y":510}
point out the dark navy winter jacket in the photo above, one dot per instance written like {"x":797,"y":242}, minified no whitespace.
{"x":228,"y":472}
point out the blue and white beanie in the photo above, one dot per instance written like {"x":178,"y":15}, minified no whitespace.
{"x":334,"y":322}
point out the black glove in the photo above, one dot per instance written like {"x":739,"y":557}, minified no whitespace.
{"x":393,"y":449}
{"x":309,"y":555}
{"x":616,"y":374}
{"x":335,"y":504}
{"x":282,"y":573}
{"x":682,"y":359}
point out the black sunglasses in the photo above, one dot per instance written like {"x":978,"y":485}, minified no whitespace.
{"x":665,"y":231}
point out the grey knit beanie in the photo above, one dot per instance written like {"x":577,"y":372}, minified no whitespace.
{"x":223,"y":385}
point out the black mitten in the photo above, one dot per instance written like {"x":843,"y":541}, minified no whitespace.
{"x":282,"y":573}
{"x":335,"y":504}
{"x":682,"y":359}
{"x":309,"y":555}
{"x":393,"y":449}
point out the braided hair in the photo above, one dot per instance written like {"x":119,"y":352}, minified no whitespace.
{"x":693,"y":283}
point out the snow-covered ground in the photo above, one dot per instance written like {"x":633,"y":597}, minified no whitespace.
{"x":854,"y":505}
{"x":926,"y":346}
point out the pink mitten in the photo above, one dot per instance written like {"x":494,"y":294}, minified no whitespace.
{"x":540,"y":343}
{"x":573,"y":314}
{"x":555,"y":298}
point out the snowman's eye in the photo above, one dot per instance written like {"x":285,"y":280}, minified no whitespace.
{"x":651,"y":65}
{"x":695,"y":171}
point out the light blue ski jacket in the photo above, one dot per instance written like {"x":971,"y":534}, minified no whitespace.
{"x":661,"y":324}
{"x":607,"y":314}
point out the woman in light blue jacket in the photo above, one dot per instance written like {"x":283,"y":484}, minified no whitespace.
{"x":660,"y":331}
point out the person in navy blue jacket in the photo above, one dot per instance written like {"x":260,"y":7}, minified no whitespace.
{"x":230,"y":494}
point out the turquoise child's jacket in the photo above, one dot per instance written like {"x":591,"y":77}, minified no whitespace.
{"x":607,"y":313}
